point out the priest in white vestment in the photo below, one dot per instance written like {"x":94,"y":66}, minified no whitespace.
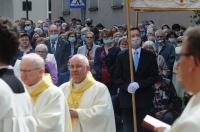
{"x":89,"y":101}
{"x":15,"y":106}
{"x":188,"y":72}
{"x":15,"y":103}
{"x":50,"y":110}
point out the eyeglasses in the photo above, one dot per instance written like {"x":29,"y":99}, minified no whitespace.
{"x":27,"y":24}
{"x":28,"y":70}
{"x":41,"y":51}
{"x":178,"y":56}
{"x":185,"y":54}
{"x":89,"y":37}
{"x":160,"y":36}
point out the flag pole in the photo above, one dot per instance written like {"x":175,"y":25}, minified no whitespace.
{"x":136,"y":17}
{"x":131,"y":62}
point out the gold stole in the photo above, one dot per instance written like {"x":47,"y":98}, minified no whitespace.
{"x":75,"y":95}
{"x":48,"y":77}
{"x":43,"y":85}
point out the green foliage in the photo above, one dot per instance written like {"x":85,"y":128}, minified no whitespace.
{"x":196,"y":17}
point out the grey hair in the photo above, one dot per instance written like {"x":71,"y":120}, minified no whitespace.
{"x":150,"y":31}
{"x":41,"y":46}
{"x":35,"y":58}
{"x":159,"y":31}
{"x":117,"y":33}
{"x":81,"y":57}
{"x":149,"y":43}
{"x":89,"y":32}
{"x":53,"y":25}
{"x":85,"y":30}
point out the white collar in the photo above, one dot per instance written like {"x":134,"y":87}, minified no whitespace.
{"x":31,"y":88}
{"x":138,"y":50}
{"x":6,"y":67}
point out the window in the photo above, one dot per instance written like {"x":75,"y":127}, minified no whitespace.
{"x":66,"y":7}
{"x":93,"y":5}
{"x":117,"y":4}
{"x":49,"y":9}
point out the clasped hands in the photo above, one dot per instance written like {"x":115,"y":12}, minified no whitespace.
{"x":73,"y":113}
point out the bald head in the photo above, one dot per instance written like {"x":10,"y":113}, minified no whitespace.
{"x":81,"y":58}
{"x":78,"y":67}
{"x":32,"y":69}
{"x":53,"y":29}
{"x":34,"y":60}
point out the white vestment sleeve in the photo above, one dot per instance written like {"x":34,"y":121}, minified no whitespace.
{"x":68,"y":124}
{"x":5,"y":99}
{"x":50,"y":112}
{"x":99,"y":117}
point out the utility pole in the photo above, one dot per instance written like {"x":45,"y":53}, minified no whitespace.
{"x":83,"y":12}
{"x":27,"y":9}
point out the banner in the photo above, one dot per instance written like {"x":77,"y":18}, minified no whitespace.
{"x":165,"y":4}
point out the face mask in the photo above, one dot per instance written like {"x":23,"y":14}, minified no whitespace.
{"x":78,"y":36}
{"x":151,"y":38}
{"x":54,"y":37}
{"x":71,"y":39}
{"x":136,"y":42}
{"x":83,"y":37}
{"x":78,"y":26}
{"x":172,"y":40}
{"x":160,"y":42}
{"x":116,"y":39}
{"x":123,"y":48}
{"x":107,"y":41}
{"x":28,"y":28}
{"x":142,"y":31}
{"x":45,"y":29}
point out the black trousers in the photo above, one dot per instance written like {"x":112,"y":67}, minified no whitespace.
{"x":127,"y":117}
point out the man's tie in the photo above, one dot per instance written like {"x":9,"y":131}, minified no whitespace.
{"x":136,"y":59}
{"x":53,"y":50}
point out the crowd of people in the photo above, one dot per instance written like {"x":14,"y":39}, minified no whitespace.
{"x":78,"y":75}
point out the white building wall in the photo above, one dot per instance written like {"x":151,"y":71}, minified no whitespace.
{"x":108,"y":16}
{"x":39,"y":10}
{"x":6,"y":8}
{"x":105,"y":14}
{"x":13,"y":9}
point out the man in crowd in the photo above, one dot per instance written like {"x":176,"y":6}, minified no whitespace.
{"x":188,"y":71}
{"x":28,"y":27}
{"x":89,"y":48}
{"x":145,"y":75}
{"x":89,"y":101}
{"x":15,"y":103}
{"x":50,"y":110}
{"x":50,"y":66}
{"x":25,"y":46}
{"x":165,"y":49}
{"x":60,"y":50}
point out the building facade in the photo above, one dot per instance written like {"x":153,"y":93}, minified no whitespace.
{"x":107,"y":12}
{"x":14,"y":9}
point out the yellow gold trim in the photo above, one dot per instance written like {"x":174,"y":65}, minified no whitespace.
{"x":164,"y":9}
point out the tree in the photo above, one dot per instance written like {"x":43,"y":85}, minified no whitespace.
{"x":196,"y":17}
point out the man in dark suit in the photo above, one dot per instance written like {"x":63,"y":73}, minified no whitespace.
{"x":61,"y":51}
{"x":166,"y":49}
{"x":145,"y":75}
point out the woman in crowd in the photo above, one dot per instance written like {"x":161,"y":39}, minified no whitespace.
{"x":104,"y":61}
